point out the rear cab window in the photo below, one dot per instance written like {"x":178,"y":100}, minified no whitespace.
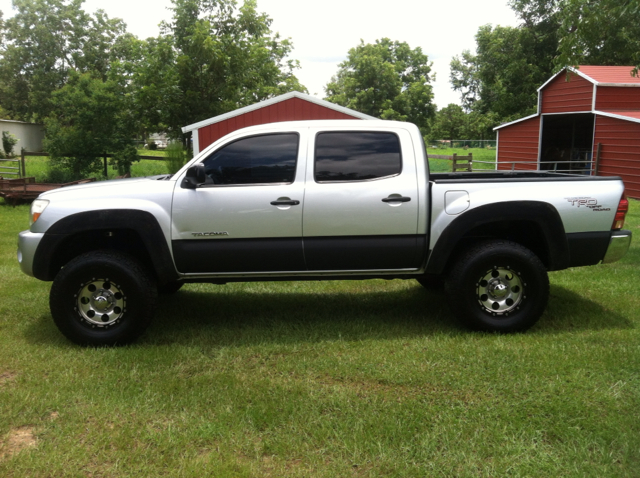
{"x":347,"y":156}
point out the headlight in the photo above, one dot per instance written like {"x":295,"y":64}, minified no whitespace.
{"x":37,"y":207}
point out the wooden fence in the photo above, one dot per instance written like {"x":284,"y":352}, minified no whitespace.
{"x":459,"y":163}
{"x":22,"y":171}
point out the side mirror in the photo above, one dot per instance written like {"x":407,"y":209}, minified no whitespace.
{"x":195,"y":177}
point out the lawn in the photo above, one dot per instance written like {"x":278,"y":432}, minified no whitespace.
{"x":38,"y":166}
{"x":325,"y":379}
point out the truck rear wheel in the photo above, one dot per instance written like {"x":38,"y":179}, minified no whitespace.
{"x":498,"y":286}
{"x":103,"y":298}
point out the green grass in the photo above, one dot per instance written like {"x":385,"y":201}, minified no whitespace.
{"x":325,"y":379}
{"x":479,"y":154}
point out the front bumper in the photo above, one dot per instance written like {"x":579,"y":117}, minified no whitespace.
{"x":618,"y":246}
{"x":27,"y":244}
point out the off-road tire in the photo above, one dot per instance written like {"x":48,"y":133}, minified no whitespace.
{"x":498,"y":285}
{"x":431,"y":282}
{"x":103,"y":298}
{"x":170,"y":288}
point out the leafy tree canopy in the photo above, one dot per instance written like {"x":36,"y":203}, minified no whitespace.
{"x":92,"y":116}
{"x":599,"y":32}
{"x":42,"y":43}
{"x":509,"y":65}
{"x":449,"y":123}
{"x":386,"y":79}
{"x":214,"y":57}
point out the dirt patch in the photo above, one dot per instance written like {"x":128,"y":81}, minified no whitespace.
{"x":6,"y":377}
{"x":17,"y":440}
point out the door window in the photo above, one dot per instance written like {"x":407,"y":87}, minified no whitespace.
{"x":356,"y":156}
{"x":264,"y":159}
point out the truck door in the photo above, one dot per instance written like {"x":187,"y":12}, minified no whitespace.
{"x":361,"y":201}
{"x":247,"y":217}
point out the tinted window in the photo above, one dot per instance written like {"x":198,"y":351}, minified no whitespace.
{"x":354,"y":156}
{"x":255,"y":160}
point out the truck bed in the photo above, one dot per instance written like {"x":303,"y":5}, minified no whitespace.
{"x":514,"y":176}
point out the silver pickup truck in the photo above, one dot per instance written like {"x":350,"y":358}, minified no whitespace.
{"x":317,"y":200}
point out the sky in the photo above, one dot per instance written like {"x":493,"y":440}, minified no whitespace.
{"x":323,"y":31}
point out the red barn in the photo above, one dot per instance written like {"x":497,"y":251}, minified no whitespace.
{"x":292,"y":106}
{"x":588,"y":121}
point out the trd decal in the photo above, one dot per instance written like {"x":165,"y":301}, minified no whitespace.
{"x":588,"y":202}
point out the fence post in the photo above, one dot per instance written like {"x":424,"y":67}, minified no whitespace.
{"x":22,"y":163}
{"x":105,"y":165}
{"x":598,"y":159}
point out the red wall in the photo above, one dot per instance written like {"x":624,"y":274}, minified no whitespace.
{"x":617,"y":98}
{"x":562,"y":96}
{"x":519,"y":142}
{"x":293,"y":109}
{"x":620,"y":153}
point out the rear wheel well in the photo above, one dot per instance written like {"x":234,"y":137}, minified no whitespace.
{"x":526,"y":233}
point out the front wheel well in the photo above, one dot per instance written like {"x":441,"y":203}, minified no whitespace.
{"x":127,"y":241}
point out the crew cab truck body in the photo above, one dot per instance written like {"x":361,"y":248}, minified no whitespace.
{"x":317,"y":200}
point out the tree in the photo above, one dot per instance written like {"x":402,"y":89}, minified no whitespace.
{"x":602,"y":32}
{"x":449,"y":123}
{"x":465,"y":79}
{"x":42,"y":43}
{"x":92,"y":116}
{"x":220,"y":58}
{"x":503,"y":76}
{"x":386,"y":79}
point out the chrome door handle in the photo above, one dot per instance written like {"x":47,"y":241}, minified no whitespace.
{"x":397,"y":199}
{"x":290,"y":202}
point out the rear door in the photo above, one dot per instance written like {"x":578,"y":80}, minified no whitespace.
{"x":361,"y":201}
{"x":248,"y":216}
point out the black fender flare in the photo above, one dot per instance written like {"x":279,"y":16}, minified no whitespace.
{"x":543,"y":215}
{"x":143,"y":223}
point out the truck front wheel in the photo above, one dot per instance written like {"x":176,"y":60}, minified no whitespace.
{"x":103,"y":298}
{"x":498,"y":286}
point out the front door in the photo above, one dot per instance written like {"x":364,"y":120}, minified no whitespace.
{"x":247,"y":217}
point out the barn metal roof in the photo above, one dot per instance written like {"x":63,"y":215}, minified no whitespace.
{"x":272,"y":101}
{"x":610,"y":75}
{"x":601,"y":75}
{"x":633,"y":116}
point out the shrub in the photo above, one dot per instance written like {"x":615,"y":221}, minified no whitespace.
{"x":176,"y":157}
{"x":8,"y":143}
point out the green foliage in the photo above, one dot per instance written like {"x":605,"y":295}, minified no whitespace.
{"x":8,"y":143}
{"x":502,"y":78}
{"x":449,"y":123}
{"x":388,"y":80}
{"x":176,"y":157}
{"x":603,"y":32}
{"x":42,"y":43}
{"x":504,"y":75}
{"x":213,"y":57}
{"x":92,"y":118}
{"x":123,"y":157}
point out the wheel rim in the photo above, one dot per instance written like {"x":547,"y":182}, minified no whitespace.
{"x":500,"y":291}
{"x":100,"y":303}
